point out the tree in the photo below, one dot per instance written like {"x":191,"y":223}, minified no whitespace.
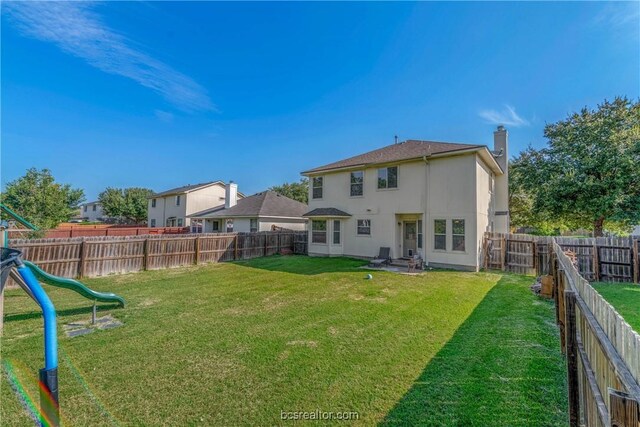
{"x":589,"y":175}
{"x":130,"y":203}
{"x":296,"y":190}
{"x":40,"y":200}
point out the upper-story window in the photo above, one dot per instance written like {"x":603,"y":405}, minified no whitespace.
{"x":388,"y":177}
{"x":85,"y":208}
{"x":153,"y":203}
{"x":178,"y":200}
{"x":317,"y":187}
{"x":357,"y":183}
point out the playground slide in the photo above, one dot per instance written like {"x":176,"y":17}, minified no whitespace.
{"x":73,"y":285}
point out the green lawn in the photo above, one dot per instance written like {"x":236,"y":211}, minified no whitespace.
{"x":625,"y":298}
{"x":237,"y":343}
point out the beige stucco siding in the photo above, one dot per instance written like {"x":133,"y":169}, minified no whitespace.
{"x":191,"y":202}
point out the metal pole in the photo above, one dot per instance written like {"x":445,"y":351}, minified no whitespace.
{"x":93,"y":313}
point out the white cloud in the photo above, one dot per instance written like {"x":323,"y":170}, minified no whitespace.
{"x":164,"y":116}
{"x":78,"y":30}
{"x":620,"y":14}
{"x":507,"y":117}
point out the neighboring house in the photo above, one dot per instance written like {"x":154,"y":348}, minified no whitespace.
{"x":636,"y":231}
{"x":171,"y":208}
{"x":91,"y":211}
{"x":432,"y":199}
{"x":263,"y":211}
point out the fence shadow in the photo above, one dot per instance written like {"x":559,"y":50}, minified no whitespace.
{"x":304,"y":265}
{"x":64,"y":312}
{"x":503,"y":366}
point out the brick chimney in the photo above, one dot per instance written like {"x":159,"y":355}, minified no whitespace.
{"x":230,"y":195}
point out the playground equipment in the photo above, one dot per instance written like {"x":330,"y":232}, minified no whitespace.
{"x":24,"y":274}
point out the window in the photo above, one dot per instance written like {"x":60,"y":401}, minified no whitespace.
{"x":153,"y":203}
{"x":178,"y":200}
{"x":171,"y":221}
{"x":336,"y":232}
{"x":94,"y":207}
{"x":457,"y":234}
{"x":215,"y":225}
{"x":317,"y":187}
{"x":196,"y":226}
{"x":230,"y":225}
{"x":180,"y":222}
{"x":357,"y":181}
{"x":85,"y":208}
{"x":318,"y":231}
{"x":419,"y":234}
{"x":253,"y":225}
{"x":440,"y":234}
{"x":153,"y":222}
{"x":364,"y":227}
{"x":388,"y":177}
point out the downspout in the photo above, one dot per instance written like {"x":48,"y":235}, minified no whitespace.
{"x":425,"y":220}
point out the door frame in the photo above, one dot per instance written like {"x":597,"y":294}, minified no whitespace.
{"x":405,"y":252}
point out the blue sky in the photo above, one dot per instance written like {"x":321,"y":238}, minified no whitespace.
{"x":160,"y":94}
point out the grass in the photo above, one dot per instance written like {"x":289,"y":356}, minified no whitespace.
{"x":237,"y":343}
{"x":625,"y":298}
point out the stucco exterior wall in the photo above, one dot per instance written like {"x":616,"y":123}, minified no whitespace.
{"x":448,"y":188}
{"x":90,"y":214}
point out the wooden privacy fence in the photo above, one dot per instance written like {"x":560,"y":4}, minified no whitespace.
{"x":100,"y":256}
{"x":97,"y":231}
{"x":602,"y":350}
{"x":606,"y":259}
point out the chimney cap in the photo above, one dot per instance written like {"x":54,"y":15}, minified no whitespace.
{"x":500,"y":127}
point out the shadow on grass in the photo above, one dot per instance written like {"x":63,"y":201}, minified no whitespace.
{"x":65,"y":312}
{"x":503,"y":366}
{"x":305,"y":265}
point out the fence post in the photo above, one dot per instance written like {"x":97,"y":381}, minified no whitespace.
{"x":197,"y":250}
{"x":82,"y":259}
{"x":571,"y":346}
{"x":596,"y":263}
{"x":636,"y":260}
{"x":503,"y":253}
{"x":145,"y":251}
{"x":235,"y":248}
{"x":624,"y":411}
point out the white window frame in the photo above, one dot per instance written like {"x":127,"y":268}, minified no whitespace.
{"x":315,"y":187}
{"x":361,"y":184}
{"x":435,"y":234}
{"x":253,"y":221}
{"x":420,"y":242}
{"x":153,"y":203}
{"x":366,"y":225}
{"x":454,"y":235}
{"x":386,"y":178}
{"x":314,"y":232}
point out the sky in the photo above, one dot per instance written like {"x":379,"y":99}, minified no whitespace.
{"x":164,"y":94}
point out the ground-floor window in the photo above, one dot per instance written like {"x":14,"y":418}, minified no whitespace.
{"x":253,"y":225}
{"x":419,"y":234}
{"x":230,"y":225}
{"x":457,"y":234}
{"x":196,"y":226}
{"x":336,"y":232}
{"x":440,"y":234}
{"x":180,"y":222}
{"x":364,"y":227}
{"x":153,"y":222}
{"x":318,"y":231}
{"x":171,"y":221}
{"x":215,"y":225}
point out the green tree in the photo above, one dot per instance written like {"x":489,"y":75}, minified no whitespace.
{"x":296,"y":190}
{"x":589,"y":174}
{"x":130,"y":203}
{"x":38,"y":198}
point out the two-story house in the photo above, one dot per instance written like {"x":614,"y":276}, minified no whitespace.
{"x":91,"y":211}
{"x":171,"y":208}
{"x":432,"y":199}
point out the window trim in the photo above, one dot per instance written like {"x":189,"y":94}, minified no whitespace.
{"x":251,"y":222}
{"x":152,"y":223}
{"x":440,"y":234}
{"x":153,"y":203}
{"x":386,"y":169}
{"x":464,"y":235}
{"x":178,"y":201}
{"x":358,"y":227}
{"x":319,"y":221}
{"x":420,"y":235}
{"x":314,"y":187}
{"x":351,"y":184}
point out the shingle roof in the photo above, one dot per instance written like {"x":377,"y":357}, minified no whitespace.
{"x":410,"y":149}
{"x":266,"y":203}
{"x":323,"y":212}
{"x":186,"y":188}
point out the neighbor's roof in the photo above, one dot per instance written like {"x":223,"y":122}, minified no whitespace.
{"x":267,"y":203}
{"x":326,"y":212}
{"x":410,"y":149}
{"x":188,"y":188}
